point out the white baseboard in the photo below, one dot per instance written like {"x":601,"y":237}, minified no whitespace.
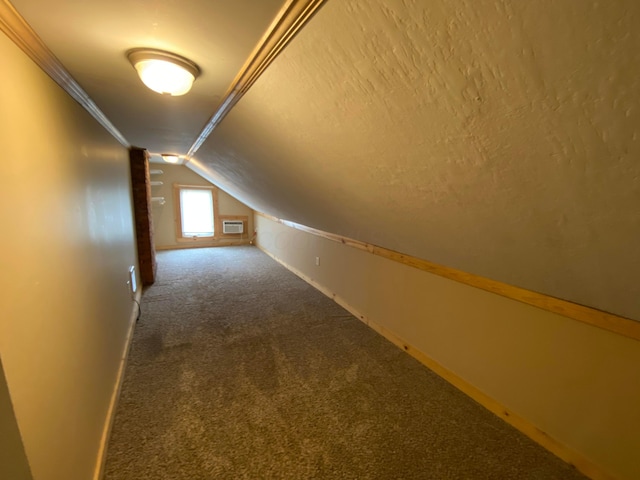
{"x":106,"y":432}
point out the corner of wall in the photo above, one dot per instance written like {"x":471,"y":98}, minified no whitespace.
{"x":570,"y":386}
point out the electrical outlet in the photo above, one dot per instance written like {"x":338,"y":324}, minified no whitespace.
{"x":133,"y":285}
{"x":318,"y":261}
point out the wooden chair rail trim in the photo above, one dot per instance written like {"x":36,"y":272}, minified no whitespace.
{"x":592,"y":316}
{"x":567,"y":454}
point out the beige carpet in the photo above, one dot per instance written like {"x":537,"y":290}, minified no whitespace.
{"x":240,"y":370}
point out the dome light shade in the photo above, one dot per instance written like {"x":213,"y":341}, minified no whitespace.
{"x":170,"y":158}
{"x":164,"y":72}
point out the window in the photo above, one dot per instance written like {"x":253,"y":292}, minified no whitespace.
{"x":195,"y":213}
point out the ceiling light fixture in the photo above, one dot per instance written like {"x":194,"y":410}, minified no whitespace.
{"x":170,"y":158}
{"x":164,"y":72}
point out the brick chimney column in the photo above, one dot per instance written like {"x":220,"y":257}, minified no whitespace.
{"x":141,"y":186}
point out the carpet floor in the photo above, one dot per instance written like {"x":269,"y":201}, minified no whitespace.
{"x":240,"y":370}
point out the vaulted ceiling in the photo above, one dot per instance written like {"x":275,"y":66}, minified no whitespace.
{"x":499,"y":137}
{"x":91,"y":39}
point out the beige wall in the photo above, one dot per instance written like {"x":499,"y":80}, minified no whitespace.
{"x":578,"y":383}
{"x":13,"y":461}
{"x":494,"y":137}
{"x":67,"y":243}
{"x":164,"y":216}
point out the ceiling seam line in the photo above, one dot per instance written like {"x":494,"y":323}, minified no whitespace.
{"x":291,"y":18}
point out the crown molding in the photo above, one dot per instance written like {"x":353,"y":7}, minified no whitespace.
{"x":21,"y":33}
{"x":290,"y":19}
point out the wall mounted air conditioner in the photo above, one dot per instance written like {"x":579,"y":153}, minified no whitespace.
{"x":232,"y":226}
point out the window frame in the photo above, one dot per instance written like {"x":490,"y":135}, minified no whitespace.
{"x":177,"y":187}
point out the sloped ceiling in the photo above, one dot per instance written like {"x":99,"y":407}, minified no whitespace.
{"x":497,"y":137}
{"x":91,"y":39}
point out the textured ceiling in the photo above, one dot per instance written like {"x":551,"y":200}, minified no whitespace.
{"x":498,"y":137}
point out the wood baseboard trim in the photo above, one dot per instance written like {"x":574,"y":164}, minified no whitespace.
{"x":115,"y":396}
{"x":565,"y":453}
{"x":592,"y":316}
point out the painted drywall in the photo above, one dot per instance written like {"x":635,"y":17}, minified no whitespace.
{"x":164,"y":216}
{"x":67,"y":245}
{"x":91,"y":38}
{"x":576,"y":382}
{"x":13,"y":460}
{"x":498,"y":137}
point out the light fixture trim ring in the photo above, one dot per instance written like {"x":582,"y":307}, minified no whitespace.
{"x":171,"y":158}
{"x":140,"y":54}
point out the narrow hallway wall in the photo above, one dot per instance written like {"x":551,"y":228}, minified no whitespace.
{"x":13,"y":461}
{"x":67,"y":243}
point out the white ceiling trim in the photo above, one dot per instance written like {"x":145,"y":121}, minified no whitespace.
{"x":21,"y":33}
{"x":291,"y":18}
